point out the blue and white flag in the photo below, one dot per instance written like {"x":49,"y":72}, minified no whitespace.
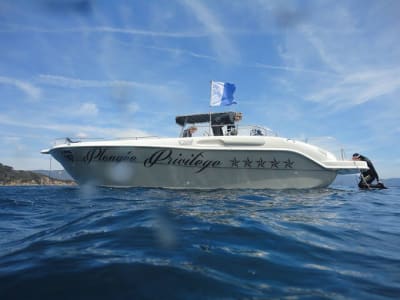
{"x":222,"y":93}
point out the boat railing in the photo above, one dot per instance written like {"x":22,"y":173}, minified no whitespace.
{"x":230,"y":130}
{"x":73,"y":140}
{"x":202,"y":130}
{"x":330,"y":144}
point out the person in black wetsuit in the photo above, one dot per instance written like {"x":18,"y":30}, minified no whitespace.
{"x":367,"y":177}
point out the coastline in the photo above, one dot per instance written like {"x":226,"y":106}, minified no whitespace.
{"x":37,"y":184}
{"x":47,"y":183}
{"x":11,"y":177}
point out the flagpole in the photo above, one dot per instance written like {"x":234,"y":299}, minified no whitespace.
{"x":209,"y":133}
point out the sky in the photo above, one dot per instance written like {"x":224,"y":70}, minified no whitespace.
{"x":323,"y":71}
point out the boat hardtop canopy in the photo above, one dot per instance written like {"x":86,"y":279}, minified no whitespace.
{"x":224,"y":118}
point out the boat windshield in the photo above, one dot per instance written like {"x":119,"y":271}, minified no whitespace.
{"x":218,"y":124}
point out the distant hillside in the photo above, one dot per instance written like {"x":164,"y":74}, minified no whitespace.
{"x":9,"y":176}
{"x":56,"y":174}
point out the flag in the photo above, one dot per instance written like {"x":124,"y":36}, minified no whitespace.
{"x":222,"y":93}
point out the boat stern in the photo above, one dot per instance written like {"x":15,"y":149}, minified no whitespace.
{"x":343,"y":167}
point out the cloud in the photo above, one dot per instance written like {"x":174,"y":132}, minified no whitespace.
{"x":69,"y":82}
{"x":122,"y":90}
{"x":88,"y":109}
{"x":82,"y":135}
{"x":28,"y":88}
{"x":102,"y":29}
{"x":72,"y":129}
{"x":353,"y":71}
{"x":359,"y":87}
{"x":222,"y":44}
{"x":176,"y":51}
{"x":292,"y":69}
{"x":133,"y":107}
{"x":28,"y":161}
{"x":325,"y":54}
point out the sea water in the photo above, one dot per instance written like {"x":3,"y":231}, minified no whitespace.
{"x":99,"y":243}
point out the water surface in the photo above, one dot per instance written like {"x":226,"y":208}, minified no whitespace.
{"x":88,"y":243}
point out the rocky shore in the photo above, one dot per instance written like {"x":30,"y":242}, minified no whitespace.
{"x":11,"y":177}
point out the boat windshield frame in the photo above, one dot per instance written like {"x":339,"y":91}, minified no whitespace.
{"x":224,"y":118}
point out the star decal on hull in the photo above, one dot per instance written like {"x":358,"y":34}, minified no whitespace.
{"x":262,"y":163}
{"x":275,"y":163}
{"x":235,"y":162}
{"x":247,"y":163}
{"x":289,"y":164}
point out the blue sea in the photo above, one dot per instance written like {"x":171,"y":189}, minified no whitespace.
{"x":100,"y":243}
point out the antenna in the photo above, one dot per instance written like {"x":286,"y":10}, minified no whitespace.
{"x":50,"y":168}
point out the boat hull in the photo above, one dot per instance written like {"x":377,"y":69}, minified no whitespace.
{"x":186,"y":168}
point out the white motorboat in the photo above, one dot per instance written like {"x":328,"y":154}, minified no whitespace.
{"x":224,"y":155}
